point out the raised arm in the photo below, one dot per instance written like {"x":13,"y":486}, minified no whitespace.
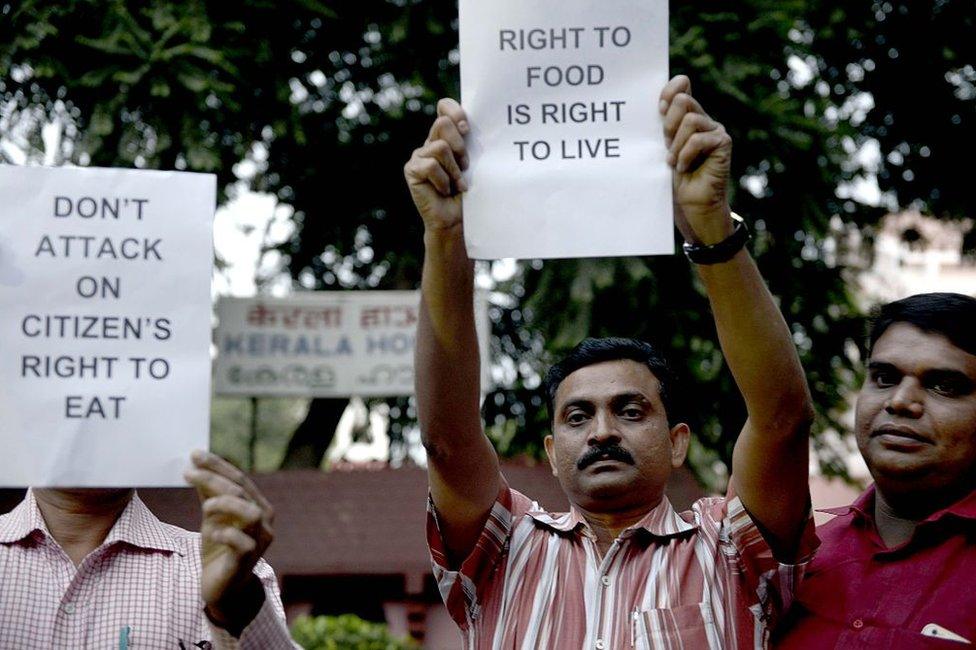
{"x":770,"y":461}
{"x":461,"y":463}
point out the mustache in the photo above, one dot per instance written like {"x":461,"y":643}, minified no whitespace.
{"x":611,"y":451}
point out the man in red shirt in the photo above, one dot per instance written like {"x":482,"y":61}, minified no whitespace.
{"x":896,"y":568}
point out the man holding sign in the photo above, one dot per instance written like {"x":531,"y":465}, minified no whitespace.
{"x":622,"y":569}
{"x":94,"y":568}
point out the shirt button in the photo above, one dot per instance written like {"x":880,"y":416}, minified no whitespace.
{"x":857,"y":624}
{"x":599,"y":644}
{"x":605,"y":580}
{"x":69,"y":608}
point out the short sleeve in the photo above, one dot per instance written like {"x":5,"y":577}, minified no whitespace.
{"x":772,"y":582}
{"x":461,"y":588}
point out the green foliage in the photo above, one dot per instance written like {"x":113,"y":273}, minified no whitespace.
{"x":346,"y":632}
{"x":341,"y":92}
{"x":916,"y":58}
{"x":230,"y":427}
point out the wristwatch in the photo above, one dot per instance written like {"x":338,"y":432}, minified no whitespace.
{"x":724,"y":250}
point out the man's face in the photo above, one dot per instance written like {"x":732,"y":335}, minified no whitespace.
{"x":916,"y":413}
{"x":611,"y":447}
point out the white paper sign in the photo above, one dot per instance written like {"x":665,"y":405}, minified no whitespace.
{"x":105,"y":317}
{"x":325,"y":344}
{"x":567,"y":151}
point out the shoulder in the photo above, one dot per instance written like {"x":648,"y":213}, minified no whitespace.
{"x":180,"y":535}
{"x":186,"y":542}
{"x":841,"y":542}
{"x":838,"y":526}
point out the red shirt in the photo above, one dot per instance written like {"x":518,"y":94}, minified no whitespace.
{"x":857,"y":593}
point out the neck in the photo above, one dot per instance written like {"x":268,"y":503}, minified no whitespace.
{"x":895,"y":525}
{"x":80,"y":520}
{"x":607,"y":525}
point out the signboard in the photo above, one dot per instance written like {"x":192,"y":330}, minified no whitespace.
{"x":324,"y":344}
{"x":567,"y":151}
{"x":105,"y":314}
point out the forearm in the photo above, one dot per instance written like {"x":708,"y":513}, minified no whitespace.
{"x":757,"y":345}
{"x":771,"y":457}
{"x":239,"y":608}
{"x":267,"y":629}
{"x":461,"y":463}
{"x":447,"y":359}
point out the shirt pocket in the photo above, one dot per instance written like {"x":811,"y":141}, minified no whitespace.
{"x":687,"y":626}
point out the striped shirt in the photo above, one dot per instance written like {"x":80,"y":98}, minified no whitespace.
{"x":704,"y":578}
{"x":139,"y":589}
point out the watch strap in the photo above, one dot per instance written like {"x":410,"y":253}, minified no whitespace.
{"x":722,"y":251}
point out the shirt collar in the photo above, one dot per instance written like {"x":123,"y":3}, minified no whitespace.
{"x":139,"y":527}
{"x":136,"y":526}
{"x":661,"y":521}
{"x":863,"y":507}
{"x":22,"y":521}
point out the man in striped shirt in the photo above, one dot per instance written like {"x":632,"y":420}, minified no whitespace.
{"x":622,"y":569}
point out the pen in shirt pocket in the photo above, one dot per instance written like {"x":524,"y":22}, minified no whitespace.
{"x":634,"y":616}
{"x":124,"y":637}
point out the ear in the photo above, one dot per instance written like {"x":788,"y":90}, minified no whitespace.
{"x":680,"y":437}
{"x":551,"y":453}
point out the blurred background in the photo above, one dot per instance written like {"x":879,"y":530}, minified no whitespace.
{"x":852,"y":126}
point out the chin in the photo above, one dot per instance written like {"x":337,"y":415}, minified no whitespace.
{"x":91,"y":493}
{"x":606,"y":487}
{"x":902,"y":474}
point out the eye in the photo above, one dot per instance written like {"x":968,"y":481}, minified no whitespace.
{"x":948,"y":387}
{"x":632,"y":412}
{"x":944,"y":388}
{"x":575,"y":417}
{"x":884,"y":378}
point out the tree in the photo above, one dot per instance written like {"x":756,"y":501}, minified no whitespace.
{"x":340,"y":93}
{"x":916,"y":61}
{"x":193,"y":85}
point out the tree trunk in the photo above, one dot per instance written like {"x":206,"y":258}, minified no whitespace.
{"x":311,"y":439}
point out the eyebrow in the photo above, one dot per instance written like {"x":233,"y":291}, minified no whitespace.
{"x":625,"y":398}
{"x":945,"y":374}
{"x":928,"y":375}
{"x":616,"y":400}
{"x":875,"y":366}
{"x":580,"y":403}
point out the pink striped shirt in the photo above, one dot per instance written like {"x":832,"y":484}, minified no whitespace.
{"x":140,"y":587}
{"x":704,"y":578}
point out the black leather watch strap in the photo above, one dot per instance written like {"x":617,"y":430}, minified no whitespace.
{"x":724,"y":250}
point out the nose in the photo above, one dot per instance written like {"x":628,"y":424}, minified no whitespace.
{"x":906,"y":400}
{"x":604,"y":431}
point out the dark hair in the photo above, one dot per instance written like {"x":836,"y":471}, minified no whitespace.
{"x":591,"y":351}
{"x":952,"y":315}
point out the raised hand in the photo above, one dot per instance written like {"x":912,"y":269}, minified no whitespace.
{"x":433,"y":172}
{"x":235,"y":532}
{"x":700,"y":152}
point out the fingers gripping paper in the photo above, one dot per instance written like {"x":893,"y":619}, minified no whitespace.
{"x":104,"y":325}
{"x":567,"y":152}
